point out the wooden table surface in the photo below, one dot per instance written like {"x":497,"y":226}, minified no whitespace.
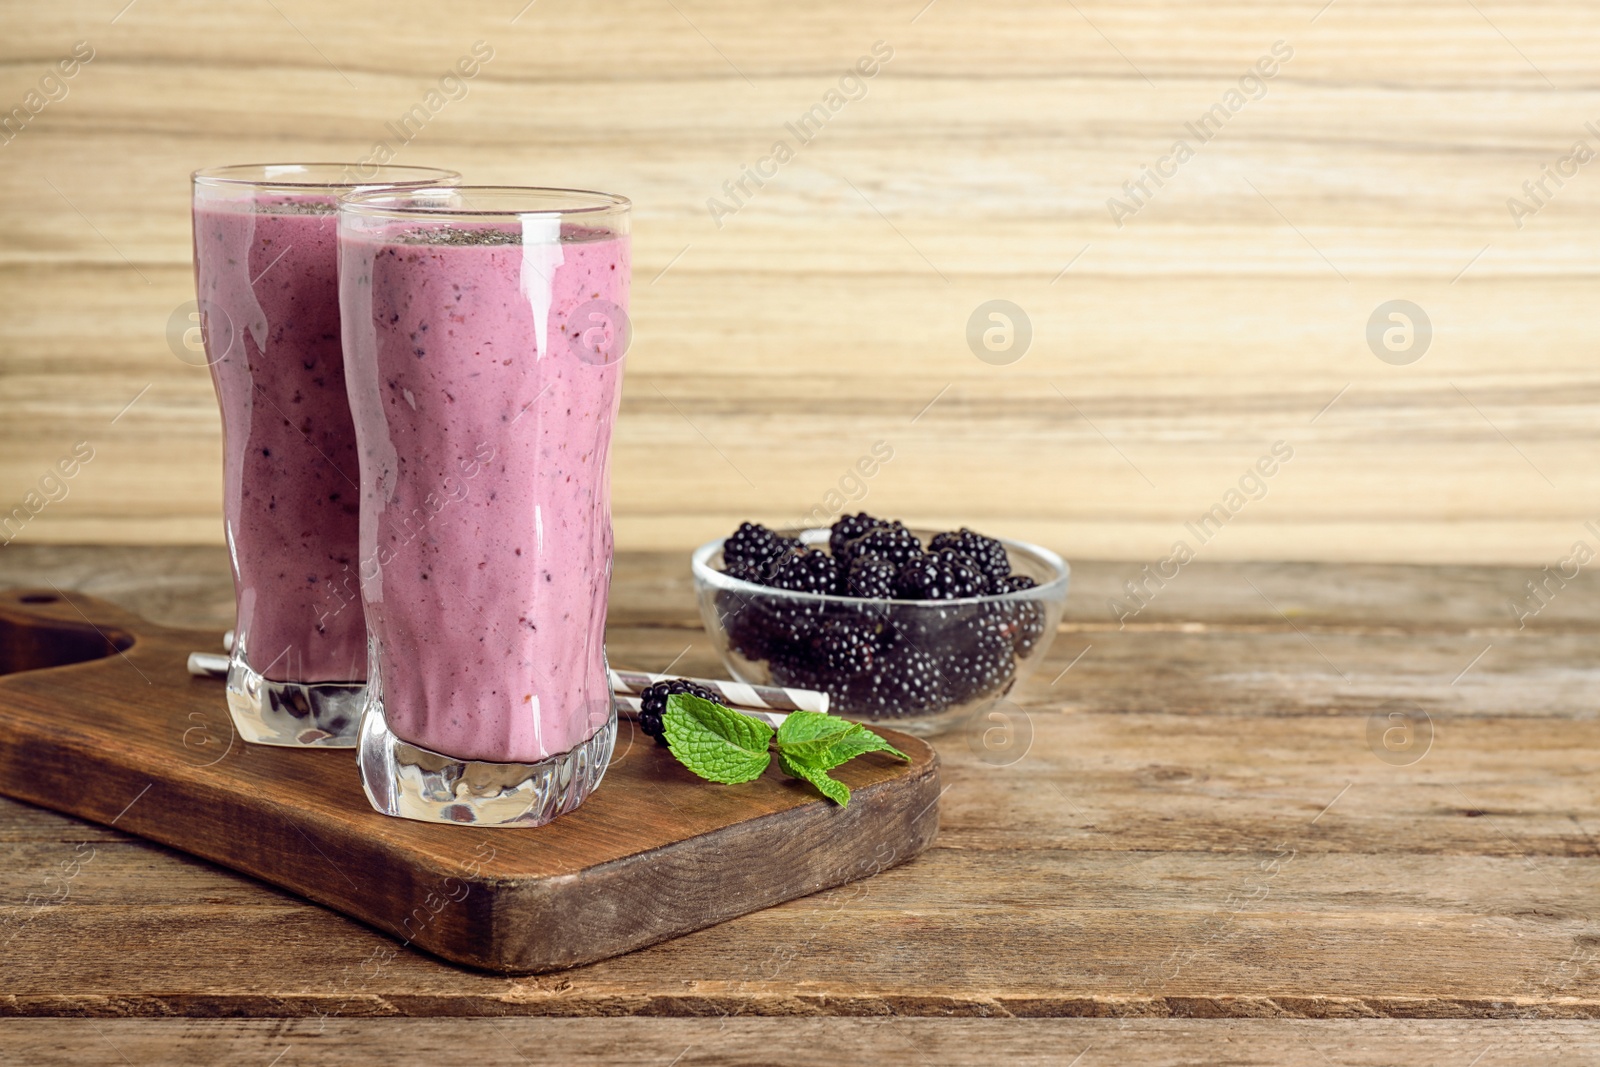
{"x":1193,"y":851}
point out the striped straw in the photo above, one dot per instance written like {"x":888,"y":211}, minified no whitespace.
{"x":627,"y":685}
{"x":630,"y":707}
{"x":733,"y":694}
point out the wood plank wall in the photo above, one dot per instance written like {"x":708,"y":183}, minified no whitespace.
{"x":830,"y":312}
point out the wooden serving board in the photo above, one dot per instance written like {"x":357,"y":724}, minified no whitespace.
{"x":100,"y":719}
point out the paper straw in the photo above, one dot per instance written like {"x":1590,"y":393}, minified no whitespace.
{"x":733,"y":694}
{"x":208,"y":665}
{"x":629,"y":708}
{"x":627,"y":685}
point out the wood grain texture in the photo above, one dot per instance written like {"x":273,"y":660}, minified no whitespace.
{"x":800,"y":1042}
{"x":1195,"y":829}
{"x":93,"y":694}
{"x":772,"y":352}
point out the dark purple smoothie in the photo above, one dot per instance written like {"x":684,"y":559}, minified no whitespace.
{"x":486,"y":528}
{"x":267,"y":275}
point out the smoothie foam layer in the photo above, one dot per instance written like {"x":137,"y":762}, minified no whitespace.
{"x":267,"y":277}
{"x":486,"y":524}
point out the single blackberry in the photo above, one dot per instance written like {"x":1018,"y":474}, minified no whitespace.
{"x":1022,"y":620}
{"x":940,"y":627}
{"x":916,"y":577}
{"x":805,"y":570}
{"x":845,"y":647}
{"x":653,"y":704}
{"x":745,"y":571}
{"x":769,"y":627}
{"x":748,"y":632}
{"x":890,"y":541}
{"x":797,"y":666}
{"x":984,"y":667}
{"x":763,"y":573}
{"x":871,"y":577}
{"x":847,"y":528}
{"x":902,"y":680}
{"x":754,"y":544}
{"x":987,"y":554}
{"x":943,"y":575}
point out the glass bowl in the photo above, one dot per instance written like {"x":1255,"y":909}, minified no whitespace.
{"x":934,"y":663}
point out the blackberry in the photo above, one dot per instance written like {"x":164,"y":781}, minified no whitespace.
{"x":763,"y":573}
{"x":871,"y":577}
{"x":769,"y":628}
{"x":903,"y":680}
{"x":984,"y":667}
{"x":754,"y":544}
{"x":847,"y":528}
{"x":748,"y":618}
{"x":762,"y":626}
{"x":941,"y":628}
{"x":745,"y":571}
{"x":796,"y":666}
{"x":943,"y":575}
{"x":890,"y":541}
{"x":653,"y":704}
{"x":748,"y":631}
{"x":805,"y":570}
{"x":1021,"y":620}
{"x":845,"y":647}
{"x":987,"y":554}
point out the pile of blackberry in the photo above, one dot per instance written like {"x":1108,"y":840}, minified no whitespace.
{"x":871,"y":658}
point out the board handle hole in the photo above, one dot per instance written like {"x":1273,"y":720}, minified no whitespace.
{"x":32,"y":640}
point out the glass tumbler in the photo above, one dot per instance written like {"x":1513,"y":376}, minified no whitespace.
{"x":484,"y":336}
{"x":267,"y":279}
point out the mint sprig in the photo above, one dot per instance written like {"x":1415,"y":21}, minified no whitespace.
{"x":721,"y":745}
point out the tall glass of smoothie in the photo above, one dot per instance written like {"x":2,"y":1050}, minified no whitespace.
{"x":267,"y":276}
{"x":484,"y":335}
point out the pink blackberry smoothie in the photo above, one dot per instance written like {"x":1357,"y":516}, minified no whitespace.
{"x":266,"y":269}
{"x":485,"y":434}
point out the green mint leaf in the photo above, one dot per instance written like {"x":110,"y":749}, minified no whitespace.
{"x":831,"y":788}
{"x":811,"y":744}
{"x":861,"y":741}
{"x":715,"y":743}
{"x":810,"y":725}
{"x":817,"y":752}
{"x":828,"y":744}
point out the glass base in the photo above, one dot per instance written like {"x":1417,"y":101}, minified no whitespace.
{"x":293,"y":714}
{"x":412,"y":782}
